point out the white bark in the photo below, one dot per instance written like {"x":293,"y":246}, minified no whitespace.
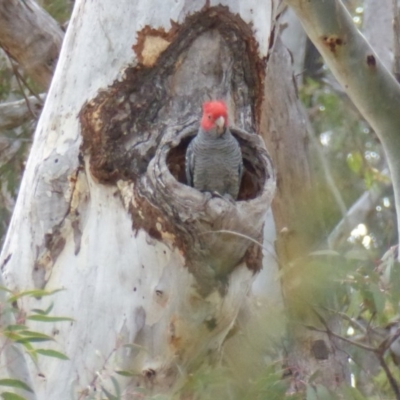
{"x":371,"y":87}
{"x":126,"y":283}
{"x":295,"y":39}
{"x":378,"y":29}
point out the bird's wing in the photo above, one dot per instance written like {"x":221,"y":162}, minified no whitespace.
{"x":189,"y":164}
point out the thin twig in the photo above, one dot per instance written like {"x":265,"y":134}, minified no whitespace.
{"x":391,"y":379}
{"x":352,"y":321}
{"x":385,"y":344}
{"x":25,"y":82}
{"x":18,"y":77}
{"x":274,"y":256}
{"x":378,"y":351}
{"x":335,"y":335}
{"x":32,"y":92}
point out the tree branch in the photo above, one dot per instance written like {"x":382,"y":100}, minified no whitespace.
{"x":371,"y":87}
{"x":377,"y":28}
{"x":31,"y":37}
{"x":15,"y":113}
{"x":356,"y":214}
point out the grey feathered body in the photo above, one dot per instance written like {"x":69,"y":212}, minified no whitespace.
{"x":214,"y":163}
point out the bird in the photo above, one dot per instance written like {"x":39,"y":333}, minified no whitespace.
{"x":214,"y":160}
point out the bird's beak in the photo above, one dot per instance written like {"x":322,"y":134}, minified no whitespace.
{"x":220,"y":122}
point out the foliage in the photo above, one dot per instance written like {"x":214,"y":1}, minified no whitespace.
{"x":15,"y":333}
{"x":15,"y":143}
{"x":60,"y":10}
{"x":355,"y":158}
{"x":359,"y":282}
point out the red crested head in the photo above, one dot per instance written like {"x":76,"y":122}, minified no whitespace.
{"x":215,"y":115}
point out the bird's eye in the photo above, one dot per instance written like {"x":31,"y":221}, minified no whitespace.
{"x":209,"y":117}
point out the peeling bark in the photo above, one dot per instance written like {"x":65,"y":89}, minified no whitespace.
{"x":104,"y":211}
{"x":148,"y":115}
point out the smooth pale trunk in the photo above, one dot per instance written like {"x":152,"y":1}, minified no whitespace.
{"x":71,"y":231}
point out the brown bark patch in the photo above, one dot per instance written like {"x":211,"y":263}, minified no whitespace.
{"x":138,"y":129}
{"x":123,"y":124}
{"x":253,"y":257}
{"x":153,"y":221}
{"x":371,"y":61}
{"x":53,"y":246}
{"x":152,"y":42}
{"x":174,"y":339}
{"x":333,"y":42}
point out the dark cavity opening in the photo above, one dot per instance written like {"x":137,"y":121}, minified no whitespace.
{"x":254,"y":173}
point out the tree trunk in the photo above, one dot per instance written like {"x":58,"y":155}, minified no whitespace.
{"x":312,"y":357}
{"x":372,"y":88}
{"x":31,"y":37}
{"x":378,"y":29}
{"x":152,"y":277}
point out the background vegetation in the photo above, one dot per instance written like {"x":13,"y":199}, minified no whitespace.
{"x":357,"y":280}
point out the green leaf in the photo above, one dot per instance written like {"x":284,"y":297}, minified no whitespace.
{"x":369,"y":178}
{"x":11,"y":396}
{"x":116,"y":386}
{"x":14,"y":336}
{"x":43,"y":312}
{"x":13,"y":328}
{"x":52,"y":353}
{"x":30,"y":340}
{"x":352,"y":393}
{"x":31,"y":350}
{"x":323,"y":393}
{"x":33,"y":293}
{"x":16,"y":383}
{"x":310,"y":394}
{"x":355,"y":161}
{"x":29,"y":336}
{"x":126,"y":373}
{"x":4,"y":289}
{"x":46,"y":318}
{"x":109,"y":395}
{"x":37,"y":334}
{"x":379,"y":299}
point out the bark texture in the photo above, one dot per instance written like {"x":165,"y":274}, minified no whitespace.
{"x":297,"y":221}
{"x":378,"y":29}
{"x":31,"y":37}
{"x":145,"y":113}
{"x":295,"y":39}
{"x":104,"y":211}
{"x":285,"y":135}
{"x":372,"y":88}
